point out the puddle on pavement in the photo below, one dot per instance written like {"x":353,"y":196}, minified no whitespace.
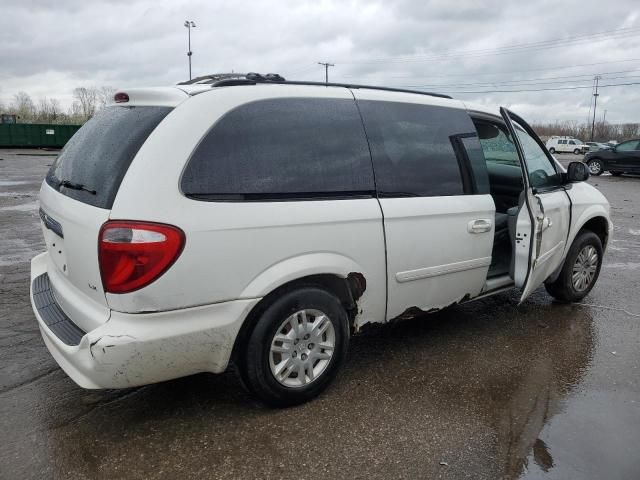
{"x":438,"y":385}
{"x":23,"y":207}
{"x":627,"y":265}
{"x":11,"y":183}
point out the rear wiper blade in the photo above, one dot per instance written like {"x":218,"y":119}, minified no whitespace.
{"x":75,"y":186}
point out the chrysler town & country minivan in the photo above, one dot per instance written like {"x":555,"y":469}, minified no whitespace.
{"x":259,"y":223}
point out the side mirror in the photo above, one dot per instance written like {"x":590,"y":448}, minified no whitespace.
{"x":577,"y":172}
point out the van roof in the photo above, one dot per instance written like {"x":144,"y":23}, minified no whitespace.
{"x":237,"y":79}
{"x":172,"y":96}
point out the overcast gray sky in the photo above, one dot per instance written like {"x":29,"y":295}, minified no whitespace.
{"x":50,"y":47}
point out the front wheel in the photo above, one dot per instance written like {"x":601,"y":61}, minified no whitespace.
{"x":595,"y":166}
{"x":580,"y":270}
{"x":576,"y":151}
{"x":552,"y":150}
{"x":296,"y":347}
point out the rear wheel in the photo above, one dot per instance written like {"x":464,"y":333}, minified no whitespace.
{"x":581,"y":269}
{"x":296,"y":347}
{"x":595,"y":166}
{"x":616,"y":173}
{"x":552,"y":150}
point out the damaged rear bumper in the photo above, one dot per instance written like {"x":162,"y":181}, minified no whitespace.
{"x":137,"y":349}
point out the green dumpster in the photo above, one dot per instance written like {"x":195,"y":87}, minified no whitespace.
{"x":35,"y":135}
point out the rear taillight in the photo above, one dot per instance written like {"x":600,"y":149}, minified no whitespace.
{"x":134,"y":254}
{"x":121,"y":97}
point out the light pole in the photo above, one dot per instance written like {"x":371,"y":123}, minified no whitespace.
{"x":189,"y":24}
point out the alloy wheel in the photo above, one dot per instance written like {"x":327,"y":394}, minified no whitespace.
{"x":302,"y":348}
{"x":595,"y":167}
{"x":584,"y":268}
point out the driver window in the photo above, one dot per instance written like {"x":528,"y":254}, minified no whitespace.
{"x":541,"y":172}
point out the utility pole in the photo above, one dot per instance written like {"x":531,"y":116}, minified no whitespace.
{"x":326,"y":70}
{"x":595,"y":104}
{"x":189,"y":24}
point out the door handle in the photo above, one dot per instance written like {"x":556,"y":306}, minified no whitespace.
{"x":546,"y":223}
{"x":481,"y":225}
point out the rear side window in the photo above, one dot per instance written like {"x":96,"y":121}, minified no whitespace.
{"x":282,"y":148}
{"x":419,"y":150}
{"x":92,"y":164}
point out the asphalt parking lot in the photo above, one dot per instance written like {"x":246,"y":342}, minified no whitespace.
{"x":484,"y":390}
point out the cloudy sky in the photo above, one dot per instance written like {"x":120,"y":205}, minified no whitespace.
{"x":478,"y":50}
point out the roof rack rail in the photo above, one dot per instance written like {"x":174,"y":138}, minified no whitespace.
{"x":252,"y":78}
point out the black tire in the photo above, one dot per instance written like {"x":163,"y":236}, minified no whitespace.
{"x":255,"y":366}
{"x":576,"y":151}
{"x":595,"y":166}
{"x":552,"y":150}
{"x":616,"y":173}
{"x":563,"y":287}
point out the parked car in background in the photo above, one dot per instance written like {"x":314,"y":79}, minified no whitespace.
{"x":285,"y":216}
{"x":566,"y":145}
{"x":622,"y":158}
{"x":595,"y":146}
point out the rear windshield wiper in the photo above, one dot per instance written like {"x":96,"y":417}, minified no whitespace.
{"x":75,"y":186}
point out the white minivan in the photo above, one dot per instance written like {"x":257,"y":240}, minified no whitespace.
{"x":259,"y":223}
{"x":567,"y":145}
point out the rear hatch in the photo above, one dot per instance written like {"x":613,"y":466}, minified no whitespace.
{"x":76,"y":199}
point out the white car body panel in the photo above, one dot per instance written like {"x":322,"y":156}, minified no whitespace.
{"x":423,"y":254}
{"x":433,"y":260}
{"x":131,"y":350}
{"x":259,"y":245}
{"x":587,"y":202}
{"x":73,"y":260}
{"x":552,"y":214}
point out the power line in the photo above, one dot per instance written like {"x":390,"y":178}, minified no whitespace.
{"x":540,"y":89}
{"x":516,"y":83}
{"x":554,"y":68}
{"x":590,"y":75}
{"x":540,"y":45}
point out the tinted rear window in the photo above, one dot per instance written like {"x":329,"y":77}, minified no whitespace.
{"x":282,"y":148}
{"x":414,"y":148}
{"x":99,"y":154}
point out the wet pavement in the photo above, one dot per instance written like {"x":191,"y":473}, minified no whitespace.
{"x":484,"y":390}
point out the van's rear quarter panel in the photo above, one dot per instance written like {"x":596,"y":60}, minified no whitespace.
{"x":242,"y":250}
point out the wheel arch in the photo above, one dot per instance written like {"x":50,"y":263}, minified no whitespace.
{"x":600,"y":226}
{"x":594,"y":219}
{"x":344,"y":279}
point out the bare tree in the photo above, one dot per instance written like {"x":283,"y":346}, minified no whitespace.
{"x":55,"y":108}
{"x":49,"y":110}
{"x":87,"y":98}
{"x":603,"y":131}
{"x":105,"y":96}
{"x":24,"y":107}
{"x":630,"y":130}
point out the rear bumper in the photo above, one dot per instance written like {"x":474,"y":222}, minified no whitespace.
{"x":137,"y":349}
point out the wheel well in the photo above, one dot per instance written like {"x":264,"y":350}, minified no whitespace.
{"x":600,"y":227}
{"x":348,"y":290}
